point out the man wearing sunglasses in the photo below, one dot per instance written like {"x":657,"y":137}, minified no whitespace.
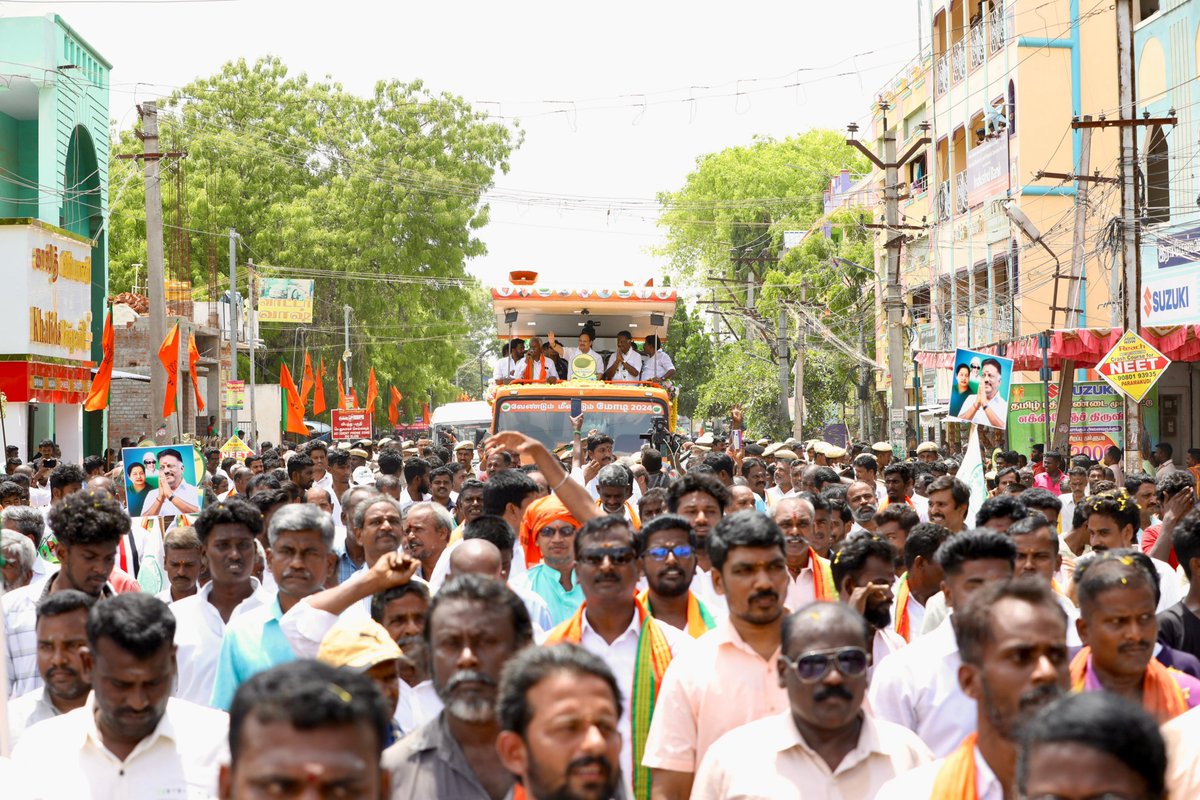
{"x":1012,"y":637}
{"x":729,"y":676}
{"x":612,"y":624}
{"x":667,"y":549}
{"x":825,"y":744}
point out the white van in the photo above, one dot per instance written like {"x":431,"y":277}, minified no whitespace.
{"x":469,"y":422}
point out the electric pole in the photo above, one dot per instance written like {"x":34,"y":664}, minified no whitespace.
{"x":233,"y":324}
{"x":801,"y":336}
{"x":155,"y":282}
{"x":347,"y":354}
{"x":252,"y":338}
{"x":1130,"y":250}
{"x":893,"y":301}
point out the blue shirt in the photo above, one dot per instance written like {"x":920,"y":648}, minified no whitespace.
{"x":544,"y":580}
{"x":253,"y":642}
{"x":346,"y":567}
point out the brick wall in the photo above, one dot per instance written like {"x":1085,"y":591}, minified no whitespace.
{"x":130,"y":402}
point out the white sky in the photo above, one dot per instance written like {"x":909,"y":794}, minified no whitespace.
{"x":523,"y":53}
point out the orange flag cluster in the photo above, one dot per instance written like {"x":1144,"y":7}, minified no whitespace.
{"x":312,"y":384}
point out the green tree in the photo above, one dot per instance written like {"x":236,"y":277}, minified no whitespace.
{"x":745,"y":375}
{"x":378,"y":199}
{"x":691,"y":351}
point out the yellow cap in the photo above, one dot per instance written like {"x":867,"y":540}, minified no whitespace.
{"x":359,"y":644}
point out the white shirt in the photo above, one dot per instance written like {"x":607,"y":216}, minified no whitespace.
{"x":621,"y":658}
{"x":186,"y":492}
{"x":571,"y":354}
{"x":1169,"y":586}
{"x":179,"y":759}
{"x":656,"y":366}
{"x":632,"y":358}
{"x":199,"y":631}
{"x":505,"y":369}
{"x":885,"y":642}
{"x":919,"y":782}
{"x":916,"y":615}
{"x":418,"y":705}
{"x":28,"y":710}
{"x":997,"y":405}
{"x":917,"y":687}
{"x":706,"y":592}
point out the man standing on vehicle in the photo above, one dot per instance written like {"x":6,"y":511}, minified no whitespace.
{"x":625,"y":364}
{"x":509,"y":367}
{"x":538,"y":365}
{"x":658,"y":365}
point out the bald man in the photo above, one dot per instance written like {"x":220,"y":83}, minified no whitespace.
{"x":481,"y":557}
{"x":742,"y":498}
{"x":321,"y":498}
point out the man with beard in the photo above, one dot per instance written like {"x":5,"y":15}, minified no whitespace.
{"x":427,"y":527}
{"x":809,"y":575}
{"x":825,"y":744}
{"x":1116,"y":591}
{"x":701,"y":500}
{"x":613,"y":625}
{"x":475,"y":626}
{"x":539,"y":689}
{"x":725,"y":680}
{"x":863,"y":571}
{"x":898,"y":485}
{"x":89,"y":526}
{"x":62,"y":662}
{"x":666,"y":546}
{"x":918,"y":687}
{"x":1012,"y":638}
{"x":860,"y":497}
{"x":227,"y":532}
{"x":300,"y":559}
{"x":416,"y":475}
{"x":131,"y":738}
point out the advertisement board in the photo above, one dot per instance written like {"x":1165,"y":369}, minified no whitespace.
{"x":350,"y":424}
{"x":47,"y":292}
{"x":1097,"y":417}
{"x":987,"y":171}
{"x":162,"y":481}
{"x":980,"y":388}
{"x":235,"y":395}
{"x":285,"y":300}
{"x":1171,"y":278}
{"x":1133,"y":366}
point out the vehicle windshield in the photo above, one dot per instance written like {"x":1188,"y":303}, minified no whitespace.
{"x":548,"y":419}
{"x":465,"y":431}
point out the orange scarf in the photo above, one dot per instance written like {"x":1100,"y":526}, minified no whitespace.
{"x":956,"y":779}
{"x":903,"y":623}
{"x":529,"y":369}
{"x":1162,"y":695}
{"x":630,"y":513}
{"x":823,"y":588}
{"x":699,"y":621}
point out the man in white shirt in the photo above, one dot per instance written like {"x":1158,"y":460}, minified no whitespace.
{"x":227,"y":534}
{"x":132,"y":738}
{"x":657,"y":366}
{"x":918,"y":687}
{"x":173,"y":496}
{"x":1161,"y":459}
{"x":1012,"y":640}
{"x":987,"y":407}
{"x":610,"y":623}
{"x":509,"y":367}
{"x":625,"y":364}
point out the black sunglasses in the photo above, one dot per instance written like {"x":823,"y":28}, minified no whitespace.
{"x":814,"y":665}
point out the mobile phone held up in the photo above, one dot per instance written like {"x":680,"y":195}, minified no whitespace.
{"x":576,"y":406}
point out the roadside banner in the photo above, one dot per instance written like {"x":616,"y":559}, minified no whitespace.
{"x":1097,"y":417}
{"x":350,"y":424}
{"x":285,"y":300}
{"x":236,"y":448}
{"x":1133,"y":366}
{"x":980,"y":388}
{"x":235,"y":395}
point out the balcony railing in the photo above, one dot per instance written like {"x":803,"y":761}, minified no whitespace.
{"x":978,"y":46}
{"x":997,"y":28}
{"x":941,"y":73}
{"x":960,"y":192}
{"x":958,"y":61}
{"x":985,"y":331}
{"x":919,"y":185}
{"x":942,"y":201}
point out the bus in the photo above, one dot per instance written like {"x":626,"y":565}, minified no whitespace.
{"x":624,"y":410}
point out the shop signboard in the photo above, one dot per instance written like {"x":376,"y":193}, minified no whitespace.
{"x":350,"y":424}
{"x":235,"y":395}
{"x":1097,"y":417}
{"x":987,"y":171}
{"x":47,"y":293}
{"x":285,"y":300}
{"x":1133,"y":366}
{"x":1171,"y":279}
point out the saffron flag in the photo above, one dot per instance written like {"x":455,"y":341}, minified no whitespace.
{"x":425,"y":414}
{"x":193,"y":357}
{"x":372,"y":392}
{"x":168,"y":354}
{"x":307,"y":382}
{"x":319,"y":391}
{"x":354,"y":399}
{"x":394,"y":407}
{"x":343,"y":400}
{"x":97,"y":398}
{"x":295,"y":409}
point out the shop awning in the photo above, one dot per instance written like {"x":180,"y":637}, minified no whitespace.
{"x":1086,"y":346}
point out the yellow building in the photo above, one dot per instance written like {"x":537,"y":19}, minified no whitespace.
{"x":999,"y":85}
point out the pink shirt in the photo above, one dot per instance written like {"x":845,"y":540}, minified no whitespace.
{"x":1044,"y":481}
{"x":719,"y":684}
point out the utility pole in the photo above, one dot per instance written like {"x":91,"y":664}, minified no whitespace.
{"x":252,"y":337}
{"x":893,"y":301}
{"x":155,"y":282}
{"x":1130,"y":250}
{"x":801,"y":333}
{"x":233,"y":324}
{"x":781,"y":356}
{"x":1061,"y":441}
{"x":347,"y":354}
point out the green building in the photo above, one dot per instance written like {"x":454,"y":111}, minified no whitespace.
{"x":54,"y":136}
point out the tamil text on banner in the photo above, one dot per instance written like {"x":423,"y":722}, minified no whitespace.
{"x":1097,"y":417}
{"x":285,"y":300}
{"x":351,"y":423}
{"x":162,"y":481}
{"x":235,"y":395}
{"x":980,"y":388}
{"x":1133,"y":366}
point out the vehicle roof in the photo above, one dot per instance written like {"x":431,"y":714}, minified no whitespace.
{"x":473,"y":411}
{"x":542,"y":309}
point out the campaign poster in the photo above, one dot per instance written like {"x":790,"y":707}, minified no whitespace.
{"x":979,"y":388}
{"x":162,"y":481}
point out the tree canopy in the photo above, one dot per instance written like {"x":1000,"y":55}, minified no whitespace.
{"x":378,"y":199}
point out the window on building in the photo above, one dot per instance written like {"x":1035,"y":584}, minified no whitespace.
{"x":918,"y":175}
{"x":1146,"y":8}
{"x":1158,"y":177}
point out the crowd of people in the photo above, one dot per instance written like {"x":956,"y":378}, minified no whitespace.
{"x":781,"y":619}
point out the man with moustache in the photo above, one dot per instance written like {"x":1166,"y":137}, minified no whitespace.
{"x":667,"y":548}
{"x":809,"y":575}
{"x":826,"y":743}
{"x":427,"y":527}
{"x":475,"y":626}
{"x":539,"y":688}
{"x":860,"y":497}
{"x":1012,"y":639}
{"x":62,"y":662}
{"x":863,"y":571}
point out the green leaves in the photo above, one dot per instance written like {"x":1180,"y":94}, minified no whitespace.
{"x":378,"y":199}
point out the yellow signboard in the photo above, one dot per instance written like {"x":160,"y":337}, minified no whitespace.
{"x":236,"y":448}
{"x":235,"y":395}
{"x":1133,"y":366}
